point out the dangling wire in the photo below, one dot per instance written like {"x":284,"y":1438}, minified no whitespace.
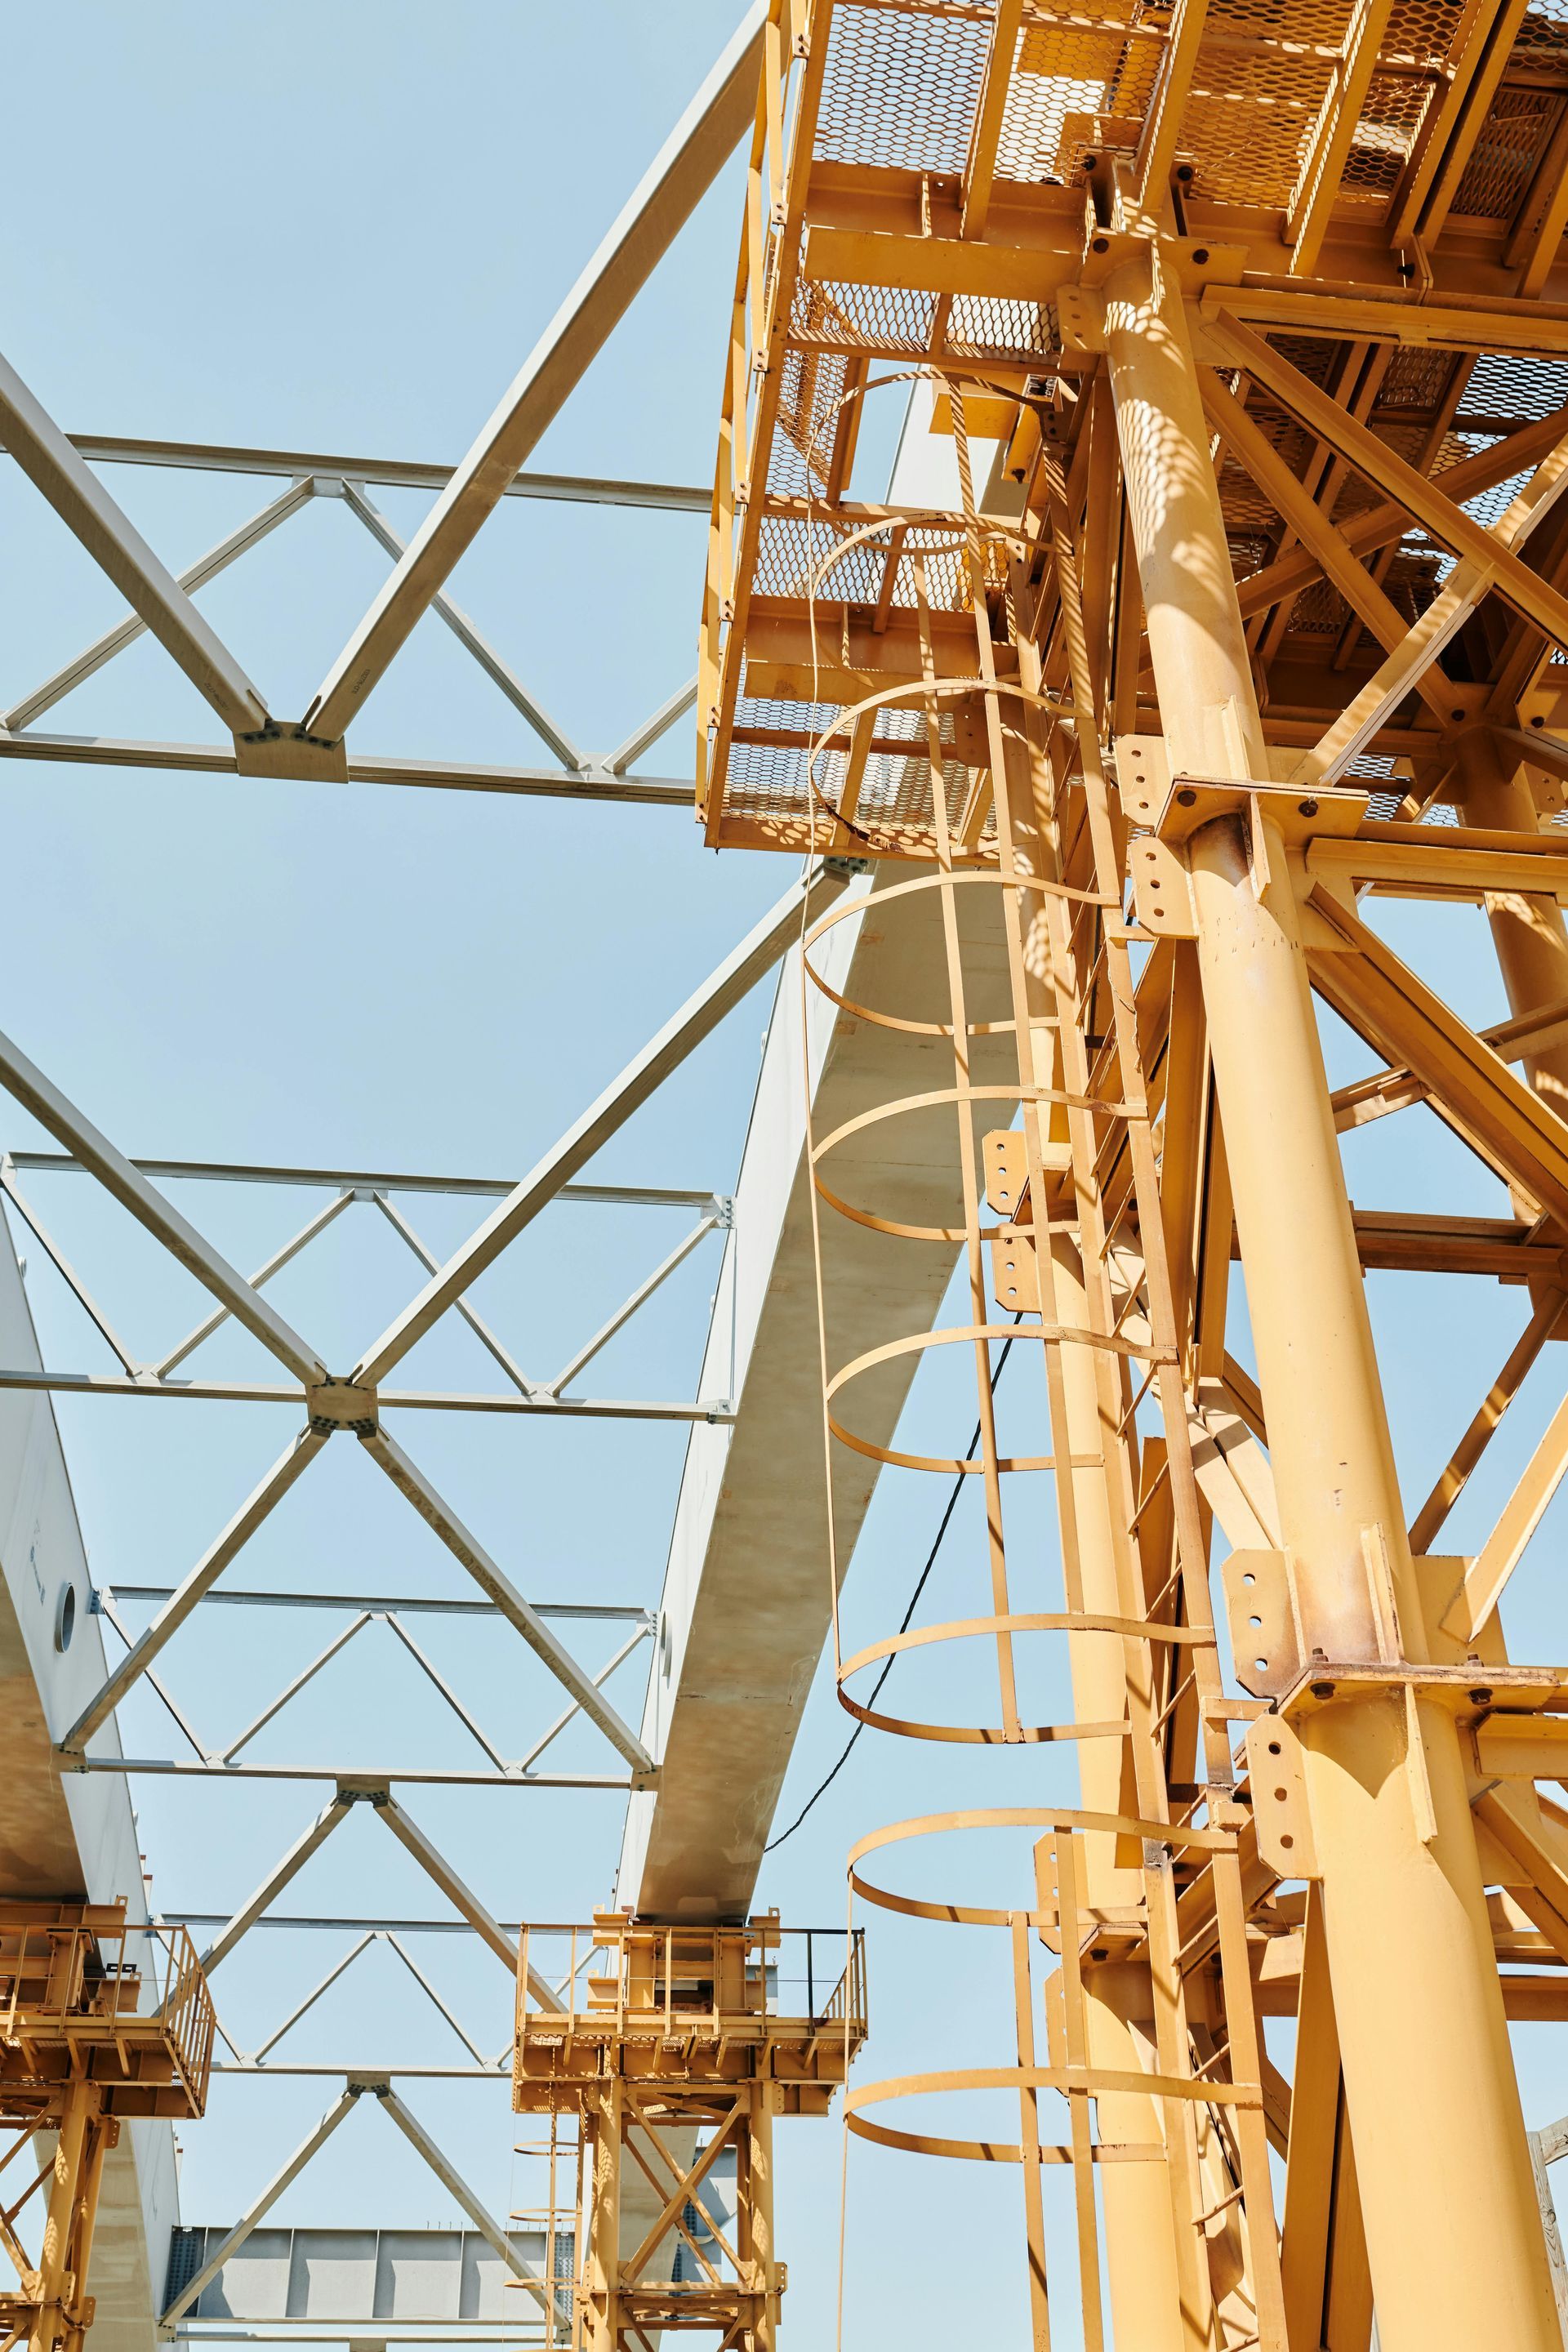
{"x":931,"y":1561}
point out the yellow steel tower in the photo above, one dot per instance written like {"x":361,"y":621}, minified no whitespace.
{"x":1248,"y":601}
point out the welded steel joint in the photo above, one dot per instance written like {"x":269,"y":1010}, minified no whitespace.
{"x":333,"y":1404}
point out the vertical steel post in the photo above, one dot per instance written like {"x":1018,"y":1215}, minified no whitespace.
{"x":1528,"y":934}
{"x":1148,"y":2308}
{"x":103,"y":2132}
{"x":1430,"y":2086}
{"x":1148,"y":2305}
{"x":604,"y":2303}
{"x":757,"y":2164}
{"x":59,"y":2289}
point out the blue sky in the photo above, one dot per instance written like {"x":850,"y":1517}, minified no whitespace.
{"x":341,"y":226}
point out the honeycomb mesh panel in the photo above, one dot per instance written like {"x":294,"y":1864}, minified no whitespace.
{"x":900,"y":89}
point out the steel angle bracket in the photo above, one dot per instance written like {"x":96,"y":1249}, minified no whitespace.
{"x":1196,"y":263}
{"x":1174,"y":807}
{"x":1472,"y":1690}
{"x":1282,"y":1820}
{"x":1277,"y":1770}
{"x":1265,"y":1625}
{"x":1162,"y":889}
{"x":1194,"y":801}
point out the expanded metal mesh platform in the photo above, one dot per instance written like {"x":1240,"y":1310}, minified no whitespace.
{"x":932,"y":195}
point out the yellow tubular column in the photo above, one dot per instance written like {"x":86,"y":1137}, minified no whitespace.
{"x":1146,"y":2303}
{"x":1453,"y":2229}
{"x":1145,"y":2289}
{"x":1528,"y":934}
{"x":57,"y":2287}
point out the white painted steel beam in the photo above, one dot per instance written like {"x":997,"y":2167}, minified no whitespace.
{"x":657,"y":723}
{"x":571,"y":1713}
{"x":391,"y":473}
{"x":329,"y":1818}
{"x":680,"y":174}
{"x":630,"y":1306}
{"x":127,"y":1184}
{"x":192,"y":2291}
{"x":461,"y":1896}
{"x":80,"y":499}
{"x":498,"y":671}
{"x":470,"y":1313}
{"x":372,"y":1179}
{"x":113,"y":641}
{"x":457,"y":2188}
{"x":492,"y":1580}
{"x":17,"y":1376}
{"x":380,"y":1775}
{"x":297,"y":1457}
{"x":593,"y":783}
{"x":745,"y":1604}
{"x":264,"y":1274}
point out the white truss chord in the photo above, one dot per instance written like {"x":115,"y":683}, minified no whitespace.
{"x":468,"y":637}
{"x":412,"y":1483}
{"x":113,"y":641}
{"x":300,"y":1454}
{"x":126,"y":1183}
{"x":680,"y":174}
{"x":80,"y":499}
{"x":735,"y":978}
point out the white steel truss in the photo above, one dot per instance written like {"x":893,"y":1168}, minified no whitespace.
{"x":62,"y":467}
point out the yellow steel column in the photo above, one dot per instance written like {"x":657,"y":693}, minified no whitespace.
{"x":1147,"y":2307}
{"x":603,"y":2332}
{"x":57,"y":2287}
{"x":757,"y":2245}
{"x":103,"y":2132}
{"x":1146,"y":2304}
{"x":1453,"y":2231}
{"x":1528,"y":934}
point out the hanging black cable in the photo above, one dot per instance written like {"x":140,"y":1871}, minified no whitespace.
{"x":904,"y":1625}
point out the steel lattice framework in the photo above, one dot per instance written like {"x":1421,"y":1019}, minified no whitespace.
{"x":1248,"y":601}
{"x":1244,"y":601}
{"x":358,"y":1786}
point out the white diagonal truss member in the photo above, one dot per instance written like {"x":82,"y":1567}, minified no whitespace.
{"x":77,"y":495}
{"x":297,"y":1457}
{"x":735,"y":977}
{"x":497,"y":1586}
{"x":127,"y":1184}
{"x":680,"y":174}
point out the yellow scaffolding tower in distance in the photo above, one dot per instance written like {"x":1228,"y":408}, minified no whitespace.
{"x":99,"y":2019}
{"x":1249,"y":602}
{"x":672,"y":2049}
